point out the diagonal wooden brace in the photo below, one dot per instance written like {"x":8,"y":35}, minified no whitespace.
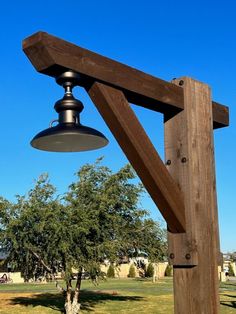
{"x":132,"y":138}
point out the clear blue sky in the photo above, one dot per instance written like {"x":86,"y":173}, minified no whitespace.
{"x":164,"y":38}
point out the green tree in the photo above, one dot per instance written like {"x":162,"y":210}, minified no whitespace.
{"x":29,"y":227}
{"x":98,"y":218}
{"x":231,"y":270}
{"x":169,"y":270}
{"x":36,"y":234}
{"x":132,"y":272}
{"x":150,"y":270}
{"x":148,"y":236}
{"x":111,"y":271}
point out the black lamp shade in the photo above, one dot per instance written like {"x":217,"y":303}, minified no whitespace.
{"x":69,"y":137}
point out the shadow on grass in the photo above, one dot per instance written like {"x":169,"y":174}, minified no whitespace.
{"x":229,"y":303}
{"x":229,"y":295}
{"x":88,"y":300}
{"x":50,"y":300}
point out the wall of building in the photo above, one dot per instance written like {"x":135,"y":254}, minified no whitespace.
{"x":122,"y":270}
{"x":160,"y":269}
{"x":226,"y":266}
{"x":15,"y":277}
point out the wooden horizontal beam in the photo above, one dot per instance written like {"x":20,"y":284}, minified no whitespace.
{"x":52,"y":56}
{"x":132,"y":138}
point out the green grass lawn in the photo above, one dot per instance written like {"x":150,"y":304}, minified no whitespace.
{"x":112,"y":296}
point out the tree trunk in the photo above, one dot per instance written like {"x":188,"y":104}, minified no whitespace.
{"x":73,"y":307}
{"x":68,"y":305}
{"x":75,"y":303}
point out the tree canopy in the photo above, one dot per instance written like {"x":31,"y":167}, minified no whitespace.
{"x":98,"y":218}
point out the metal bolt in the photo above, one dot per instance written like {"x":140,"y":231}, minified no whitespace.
{"x":187,"y":256}
{"x":172,"y":255}
{"x":181,"y":83}
{"x":184,"y":159}
{"x":168,"y":162}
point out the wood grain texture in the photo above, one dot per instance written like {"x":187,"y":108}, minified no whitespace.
{"x":189,"y":146}
{"x":52,"y":56}
{"x":132,"y":138}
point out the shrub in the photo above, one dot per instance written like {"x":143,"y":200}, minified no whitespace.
{"x":132,"y":272}
{"x":231,"y":270}
{"x":168,"y":271}
{"x":150,"y":270}
{"x":111,"y":272}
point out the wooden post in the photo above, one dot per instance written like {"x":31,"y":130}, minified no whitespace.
{"x":194,"y":254}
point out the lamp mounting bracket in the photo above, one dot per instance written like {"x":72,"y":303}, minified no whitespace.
{"x":68,"y":78}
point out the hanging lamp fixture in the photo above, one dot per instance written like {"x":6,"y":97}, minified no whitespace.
{"x":69,"y":135}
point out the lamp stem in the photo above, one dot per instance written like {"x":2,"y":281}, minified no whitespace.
{"x":68,"y":89}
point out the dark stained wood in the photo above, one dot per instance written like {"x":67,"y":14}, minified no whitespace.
{"x":52,"y":56}
{"x":185,"y":193}
{"x":182,"y":249}
{"x":189,"y":135}
{"x":220,"y":115}
{"x":132,"y":138}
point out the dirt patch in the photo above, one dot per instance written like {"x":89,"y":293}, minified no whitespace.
{"x":6,"y":298}
{"x":110,"y":292}
{"x":30,"y":303}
